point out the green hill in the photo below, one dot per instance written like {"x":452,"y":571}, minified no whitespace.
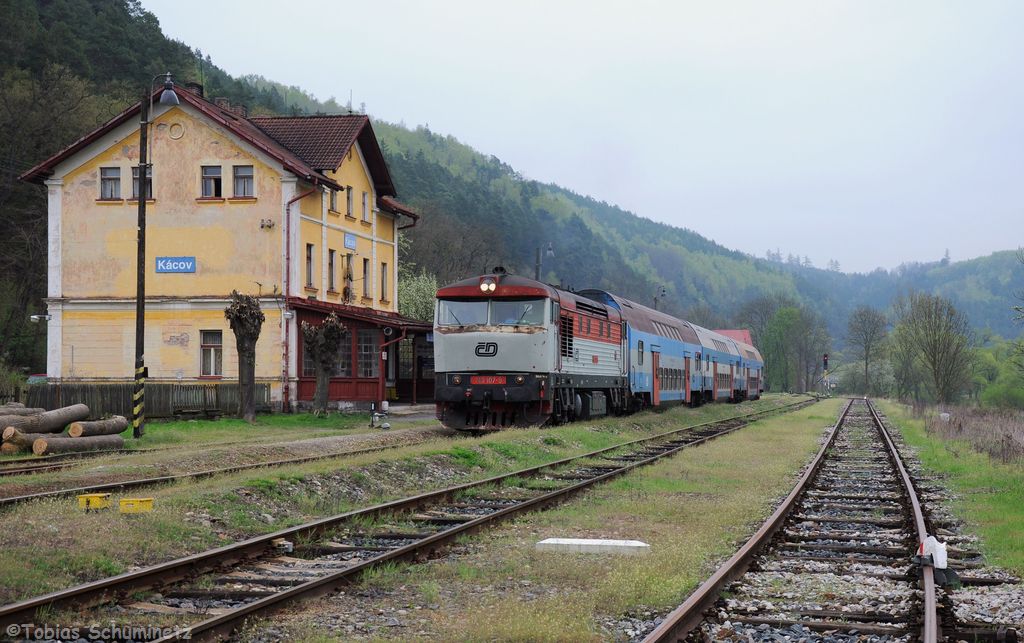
{"x":68,"y":65}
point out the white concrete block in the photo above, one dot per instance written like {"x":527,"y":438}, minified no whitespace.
{"x":594,"y":546}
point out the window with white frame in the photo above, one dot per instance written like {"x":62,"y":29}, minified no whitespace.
{"x":348,"y":201}
{"x":135,"y":182}
{"x":366,"y":277}
{"x":334,"y":200}
{"x":368,"y":358}
{"x":244,"y":184}
{"x":309,"y":265}
{"x":211,"y":353}
{"x":383,"y":282}
{"x":212,"y":182}
{"x":366,"y":206}
{"x":110,"y":183}
{"x":330,"y":270}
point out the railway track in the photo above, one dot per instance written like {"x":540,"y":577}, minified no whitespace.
{"x":834,"y":560}
{"x":126,"y":485}
{"x":257,"y":576}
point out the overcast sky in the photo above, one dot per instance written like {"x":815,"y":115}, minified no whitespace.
{"x":871,"y":133}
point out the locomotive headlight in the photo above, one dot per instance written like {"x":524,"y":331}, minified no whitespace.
{"x":456,"y":379}
{"x":487,"y":284}
{"x":520,"y":379}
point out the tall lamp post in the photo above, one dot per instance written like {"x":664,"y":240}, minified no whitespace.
{"x":167,"y":97}
{"x":659,"y":294}
{"x":550,"y":253}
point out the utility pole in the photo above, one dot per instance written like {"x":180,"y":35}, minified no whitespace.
{"x":139,"y":393}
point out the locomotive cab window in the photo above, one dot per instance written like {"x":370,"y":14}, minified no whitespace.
{"x":461,"y":313}
{"x":510,"y":312}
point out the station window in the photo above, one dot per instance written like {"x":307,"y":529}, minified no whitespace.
{"x":110,"y":183}
{"x":244,"y":183}
{"x":309,"y":265}
{"x":211,"y":353}
{"x":211,"y":182}
{"x":149,"y":183}
{"x":348,"y":201}
{"x":366,"y":277}
{"x":330,"y":270}
{"x":368,"y":358}
{"x":366,"y":206}
{"x":334,"y":201}
{"x":383,"y":282}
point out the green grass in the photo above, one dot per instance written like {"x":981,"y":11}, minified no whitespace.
{"x":989,"y":494}
{"x":282,"y":426}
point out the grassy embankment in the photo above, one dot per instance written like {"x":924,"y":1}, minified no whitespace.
{"x":989,"y":493}
{"x":692,"y":509}
{"x":57,"y":546}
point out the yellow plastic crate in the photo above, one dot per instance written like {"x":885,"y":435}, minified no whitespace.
{"x":94,"y":501}
{"x":136,"y":505}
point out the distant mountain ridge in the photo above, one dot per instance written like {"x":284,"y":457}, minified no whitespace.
{"x":109,"y":49}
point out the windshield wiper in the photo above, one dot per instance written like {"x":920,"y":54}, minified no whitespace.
{"x":455,"y":317}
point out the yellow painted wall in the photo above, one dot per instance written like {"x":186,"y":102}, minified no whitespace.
{"x":231,"y":250}
{"x":101,"y":343}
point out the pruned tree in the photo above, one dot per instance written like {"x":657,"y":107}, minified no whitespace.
{"x":865,"y":331}
{"x":940,"y":336}
{"x":323,"y":343}
{"x":246,"y":320}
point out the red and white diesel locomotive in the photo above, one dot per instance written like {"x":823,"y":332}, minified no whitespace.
{"x":511,"y":351}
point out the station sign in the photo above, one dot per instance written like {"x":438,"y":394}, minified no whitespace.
{"x":175,"y":264}
{"x":350,"y":241}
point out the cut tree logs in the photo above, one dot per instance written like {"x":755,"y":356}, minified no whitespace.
{"x":111,"y":426}
{"x":11,"y":405}
{"x":7,"y":410}
{"x":48,"y":421}
{"x":21,"y":440}
{"x":9,"y":449}
{"x":47,"y":445}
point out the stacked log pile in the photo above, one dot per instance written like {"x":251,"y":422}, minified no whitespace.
{"x":39,"y":431}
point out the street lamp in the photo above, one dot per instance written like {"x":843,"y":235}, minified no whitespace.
{"x":660,"y":293}
{"x":550,"y":253}
{"x":167,"y":97}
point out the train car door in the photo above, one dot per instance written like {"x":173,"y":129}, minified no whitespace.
{"x":686,"y":379}
{"x":656,"y":386}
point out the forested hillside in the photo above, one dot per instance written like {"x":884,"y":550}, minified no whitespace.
{"x":68,"y":65}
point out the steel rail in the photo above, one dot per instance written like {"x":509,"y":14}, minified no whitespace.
{"x":105,"y":589}
{"x":930,"y":629}
{"x":192,"y":475}
{"x":682,"y":620}
{"x":685,"y":618}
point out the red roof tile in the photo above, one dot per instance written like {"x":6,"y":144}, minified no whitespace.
{"x":389,"y":204}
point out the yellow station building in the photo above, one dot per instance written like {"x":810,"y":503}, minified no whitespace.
{"x":297,"y":210}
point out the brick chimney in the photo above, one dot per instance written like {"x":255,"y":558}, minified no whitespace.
{"x":240,"y":110}
{"x":222,"y":102}
{"x":195,"y":88}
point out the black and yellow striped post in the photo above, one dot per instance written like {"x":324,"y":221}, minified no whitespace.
{"x":139,"y":401}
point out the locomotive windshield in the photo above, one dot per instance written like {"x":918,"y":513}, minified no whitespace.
{"x":494,"y":312}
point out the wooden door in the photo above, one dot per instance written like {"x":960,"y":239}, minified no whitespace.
{"x":686,"y":379}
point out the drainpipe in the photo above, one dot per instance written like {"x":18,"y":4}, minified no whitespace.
{"x":285,"y":387}
{"x":381,"y":373}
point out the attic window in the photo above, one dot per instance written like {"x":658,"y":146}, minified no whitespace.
{"x":110,"y":183}
{"x":244,"y":181}
{"x":211,"y":181}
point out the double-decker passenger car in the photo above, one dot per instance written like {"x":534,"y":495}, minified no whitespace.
{"x":511,"y":351}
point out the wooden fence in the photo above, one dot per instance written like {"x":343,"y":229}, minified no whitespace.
{"x":162,"y":400}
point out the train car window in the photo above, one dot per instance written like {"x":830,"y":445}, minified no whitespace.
{"x":462,"y":313}
{"x":588,"y":325}
{"x":511,"y":312}
{"x":640,"y":351}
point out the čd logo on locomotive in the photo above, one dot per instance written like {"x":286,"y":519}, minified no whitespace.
{"x":486,"y":349}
